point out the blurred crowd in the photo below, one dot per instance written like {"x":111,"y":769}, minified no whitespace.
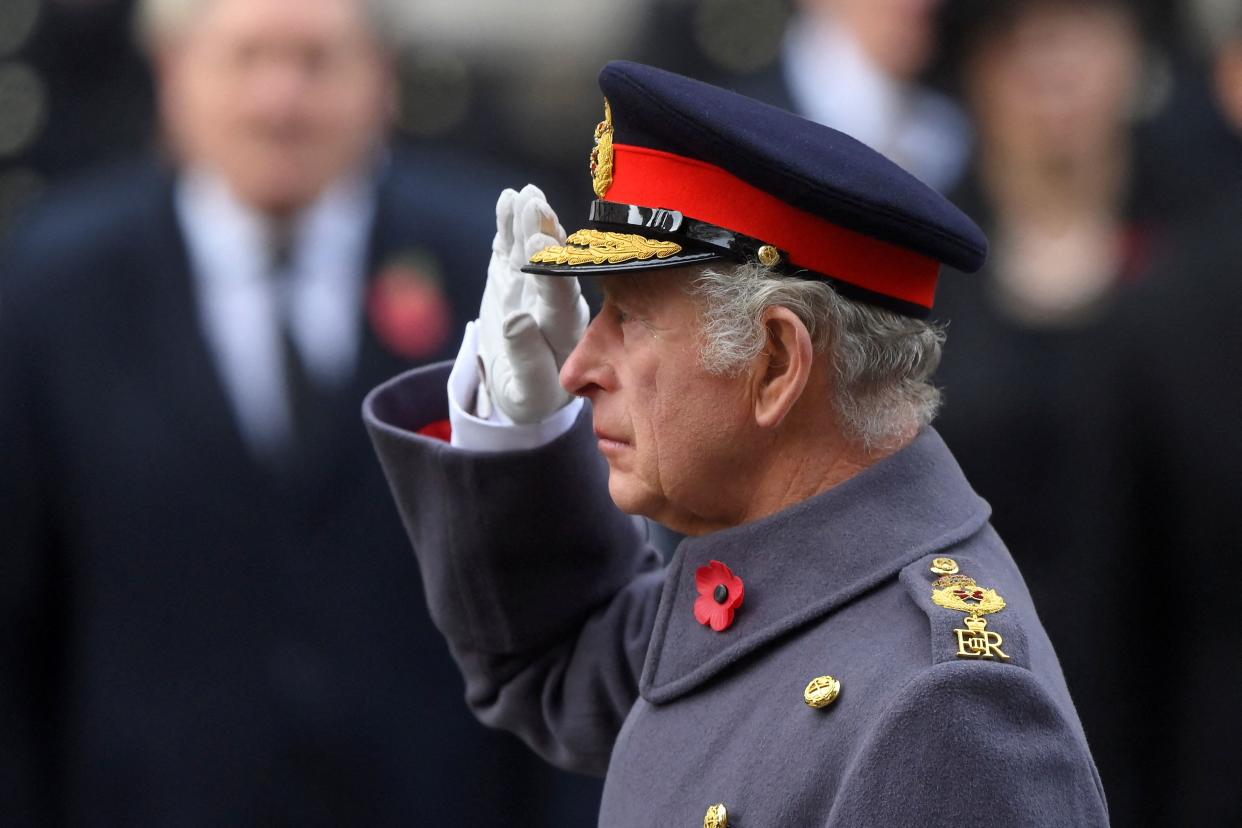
{"x":224,"y":220}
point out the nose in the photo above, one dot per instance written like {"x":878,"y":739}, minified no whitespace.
{"x":278,"y":86}
{"x":587,"y":371}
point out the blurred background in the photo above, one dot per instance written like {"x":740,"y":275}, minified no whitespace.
{"x":1092,"y":376}
{"x":76,"y":89}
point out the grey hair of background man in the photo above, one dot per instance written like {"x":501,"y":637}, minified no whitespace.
{"x":882,"y":362}
{"x":156,"y":20}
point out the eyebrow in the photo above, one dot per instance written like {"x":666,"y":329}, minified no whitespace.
{"x":633,"y":290}
{"x":608,"y":286}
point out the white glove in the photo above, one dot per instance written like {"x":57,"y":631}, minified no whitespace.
{"x":528,"y":324}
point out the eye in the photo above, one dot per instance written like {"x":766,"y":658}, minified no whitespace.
{"x":619,"y":313}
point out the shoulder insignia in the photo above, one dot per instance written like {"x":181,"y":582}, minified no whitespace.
{"x":961,"y":593}
{"x":983,"y":631}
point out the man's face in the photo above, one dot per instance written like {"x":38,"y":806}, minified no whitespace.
{"x":673,"y":434}
{"x":280,"y":97}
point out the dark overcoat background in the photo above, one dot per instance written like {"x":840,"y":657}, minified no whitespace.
{"x":1172,"y":368}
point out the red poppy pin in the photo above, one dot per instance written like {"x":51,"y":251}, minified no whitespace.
{"x":408,"y":309}
{"x":720,"y":594}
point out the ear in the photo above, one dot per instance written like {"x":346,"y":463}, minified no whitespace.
{"x":782,"y":371}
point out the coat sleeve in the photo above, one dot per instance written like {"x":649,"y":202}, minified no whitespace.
{"x":968,"y":743}
{"x":545,"y":591}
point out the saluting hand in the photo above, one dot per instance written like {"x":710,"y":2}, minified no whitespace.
{"x":528,"y":324}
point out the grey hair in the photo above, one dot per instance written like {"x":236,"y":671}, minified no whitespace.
{"x":157,"y":19}
{"x":882,"y":362}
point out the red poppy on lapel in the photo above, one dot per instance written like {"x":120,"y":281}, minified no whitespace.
{"x":408,"y":309}
{"x":720,"y":594}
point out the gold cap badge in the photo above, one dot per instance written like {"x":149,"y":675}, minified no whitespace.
{"x":601,"y":155}
{"x":717,"y":816}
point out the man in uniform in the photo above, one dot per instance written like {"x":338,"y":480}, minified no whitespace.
{"x":842,"y":639}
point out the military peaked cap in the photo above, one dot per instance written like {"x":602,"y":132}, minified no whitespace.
{"x":687,"y":172}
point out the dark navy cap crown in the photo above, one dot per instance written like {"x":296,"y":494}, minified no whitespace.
{"x":808,"y":165}
{"x":688,"y":172}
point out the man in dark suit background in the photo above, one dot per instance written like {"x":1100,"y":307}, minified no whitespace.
{"x":208,"y":615}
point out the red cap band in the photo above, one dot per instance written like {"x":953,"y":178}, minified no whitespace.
{"x":653,"y":178}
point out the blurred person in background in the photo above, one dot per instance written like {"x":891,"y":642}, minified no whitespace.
{"x":855,"y":65}
{"x":209,"y":615}
{"x":1174,"y":369}
{"x":1053,"y":87}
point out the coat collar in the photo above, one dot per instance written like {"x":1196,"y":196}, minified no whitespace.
{"x":804,"y":562}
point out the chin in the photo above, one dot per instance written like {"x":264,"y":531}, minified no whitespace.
{"x":278,"y":196}
{"x":275,"y":184}
{"x":630,"y":496}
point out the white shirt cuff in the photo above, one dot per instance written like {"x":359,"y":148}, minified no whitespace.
{"x":498,"y":433}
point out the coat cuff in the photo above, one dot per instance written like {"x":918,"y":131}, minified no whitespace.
{"x":498,"y":433}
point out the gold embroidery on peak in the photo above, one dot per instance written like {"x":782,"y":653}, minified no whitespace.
{"x":601,"y":155}
{"x":596,"y":247}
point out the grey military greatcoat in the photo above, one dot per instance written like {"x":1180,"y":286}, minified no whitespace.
{"x":572,"y":634}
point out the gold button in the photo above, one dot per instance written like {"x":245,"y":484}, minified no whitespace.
{"x":769,"y":256}
{"x":717,"y":816}
{"x":821,"y":692}
{"x":944,"y":566}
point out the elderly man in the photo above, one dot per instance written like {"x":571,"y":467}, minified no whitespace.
{"x":843,"y":639}
{"x":209,"y":616}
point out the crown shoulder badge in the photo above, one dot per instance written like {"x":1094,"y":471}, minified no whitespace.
{"x":960,"y":593}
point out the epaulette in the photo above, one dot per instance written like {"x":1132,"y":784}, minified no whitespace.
{"x":966,"y":609}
